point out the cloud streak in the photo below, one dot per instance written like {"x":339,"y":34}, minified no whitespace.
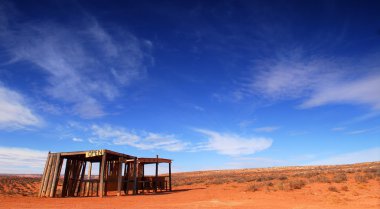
{"x":267,"y":129}
{"x":16,"y":160}
{"x":232,"y":144}
{"x":142,"y":140}
{"x":14,"y":112}
{"x":84,"y":63}
{"x":315,"y":80}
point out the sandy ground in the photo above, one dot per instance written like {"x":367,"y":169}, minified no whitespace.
{"x":230,"y":195}
{"x":354,"y":186}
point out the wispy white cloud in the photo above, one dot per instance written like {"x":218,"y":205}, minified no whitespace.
{"x":245,"y":123}
{"x":84,"y":63}
{"x":76,"y":139}
{"x":368,"y":155}
{"x":16,"y":160}
{"x":14,"y":112}
{"x":315,"y":80}
{"x":141,"y":140}
{"x":267,"y":129}
{"x":338,"y":129}
{"x":361,"y":131}
{"x":232,"y":144}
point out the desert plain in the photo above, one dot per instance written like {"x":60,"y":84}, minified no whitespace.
{"x":355,"y":186}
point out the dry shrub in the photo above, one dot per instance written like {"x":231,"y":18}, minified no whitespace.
{"x":344,"y":188}
{"x":321,"y":179}
{"x":369,"y":176}
{"x":282,"y":177}
{"x":254,"y":187}
{"x":265,"y":178}
{"x":360,"y":179}
{"x":297,"y":184}
{"x":333,"y":189}
{"x":339,"y":178}
{"x":269,"y":184}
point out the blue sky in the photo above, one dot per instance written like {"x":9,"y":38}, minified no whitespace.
{"x":210,"y":84}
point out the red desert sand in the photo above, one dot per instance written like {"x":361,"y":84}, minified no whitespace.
{"x":345,"y":186}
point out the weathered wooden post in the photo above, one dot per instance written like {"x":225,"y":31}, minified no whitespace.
{"x":170,"y":176}
{"x":135,"y":176}
{"x":57,"y":172}
{"x":120,"y":175}
{"x":44,"y":176}
{"x":102,"y":172}
{"x":156,"y":178}
{"x":89,"y":179}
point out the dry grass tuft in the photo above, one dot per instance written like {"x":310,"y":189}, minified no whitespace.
{"x":339,"y":178}
{"x":297,"y":184}
{"x":360,"y":179}
{"x":333,"y":189}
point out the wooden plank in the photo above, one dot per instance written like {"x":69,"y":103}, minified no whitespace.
{"x":156,"y":177}
{"x":59,"y":176}
{"x":82,"y":177}
{"x":44,"y":175}
{"x":55,"y":176}
{"x":76,"y":178}
{"x":170,"y":176}
{"x":46,"y":180}
{"x":126,"y":177}
{"x":50,"y":181}
{"x":101,"y":175}
{"x":89,"y":178}
{"x":66,"y":178}
{"x":135,"y":176}
{"x":119,"y":177}
{"x":154,"y":160}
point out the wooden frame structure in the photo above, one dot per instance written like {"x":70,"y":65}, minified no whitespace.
{"x":111,"y":176}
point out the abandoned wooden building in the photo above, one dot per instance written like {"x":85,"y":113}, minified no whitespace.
{"x":117,"y":172}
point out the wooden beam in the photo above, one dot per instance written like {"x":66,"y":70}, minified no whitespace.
{"x":44,"y":175}
{"x":170,"y":176}
{"x":119,"y":177}
{"x":156,"y":179}
{"x":135,"y":176}
{"x":102,"y":172}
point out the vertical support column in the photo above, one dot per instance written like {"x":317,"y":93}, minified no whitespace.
{"x":82,"y":178}
{"x":120,"y":175}
{"x":170,"y":176}
{"x":51,"y":174}
{"x":57,"y":175}
{"x":135,"y":176}
{"x":89,"y":178}
{"x":156,"y":179}
{"x":66,"y":178}
{"x":102,"y":172}
{"x":126,"y":190}
{"x":44,"y":175}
